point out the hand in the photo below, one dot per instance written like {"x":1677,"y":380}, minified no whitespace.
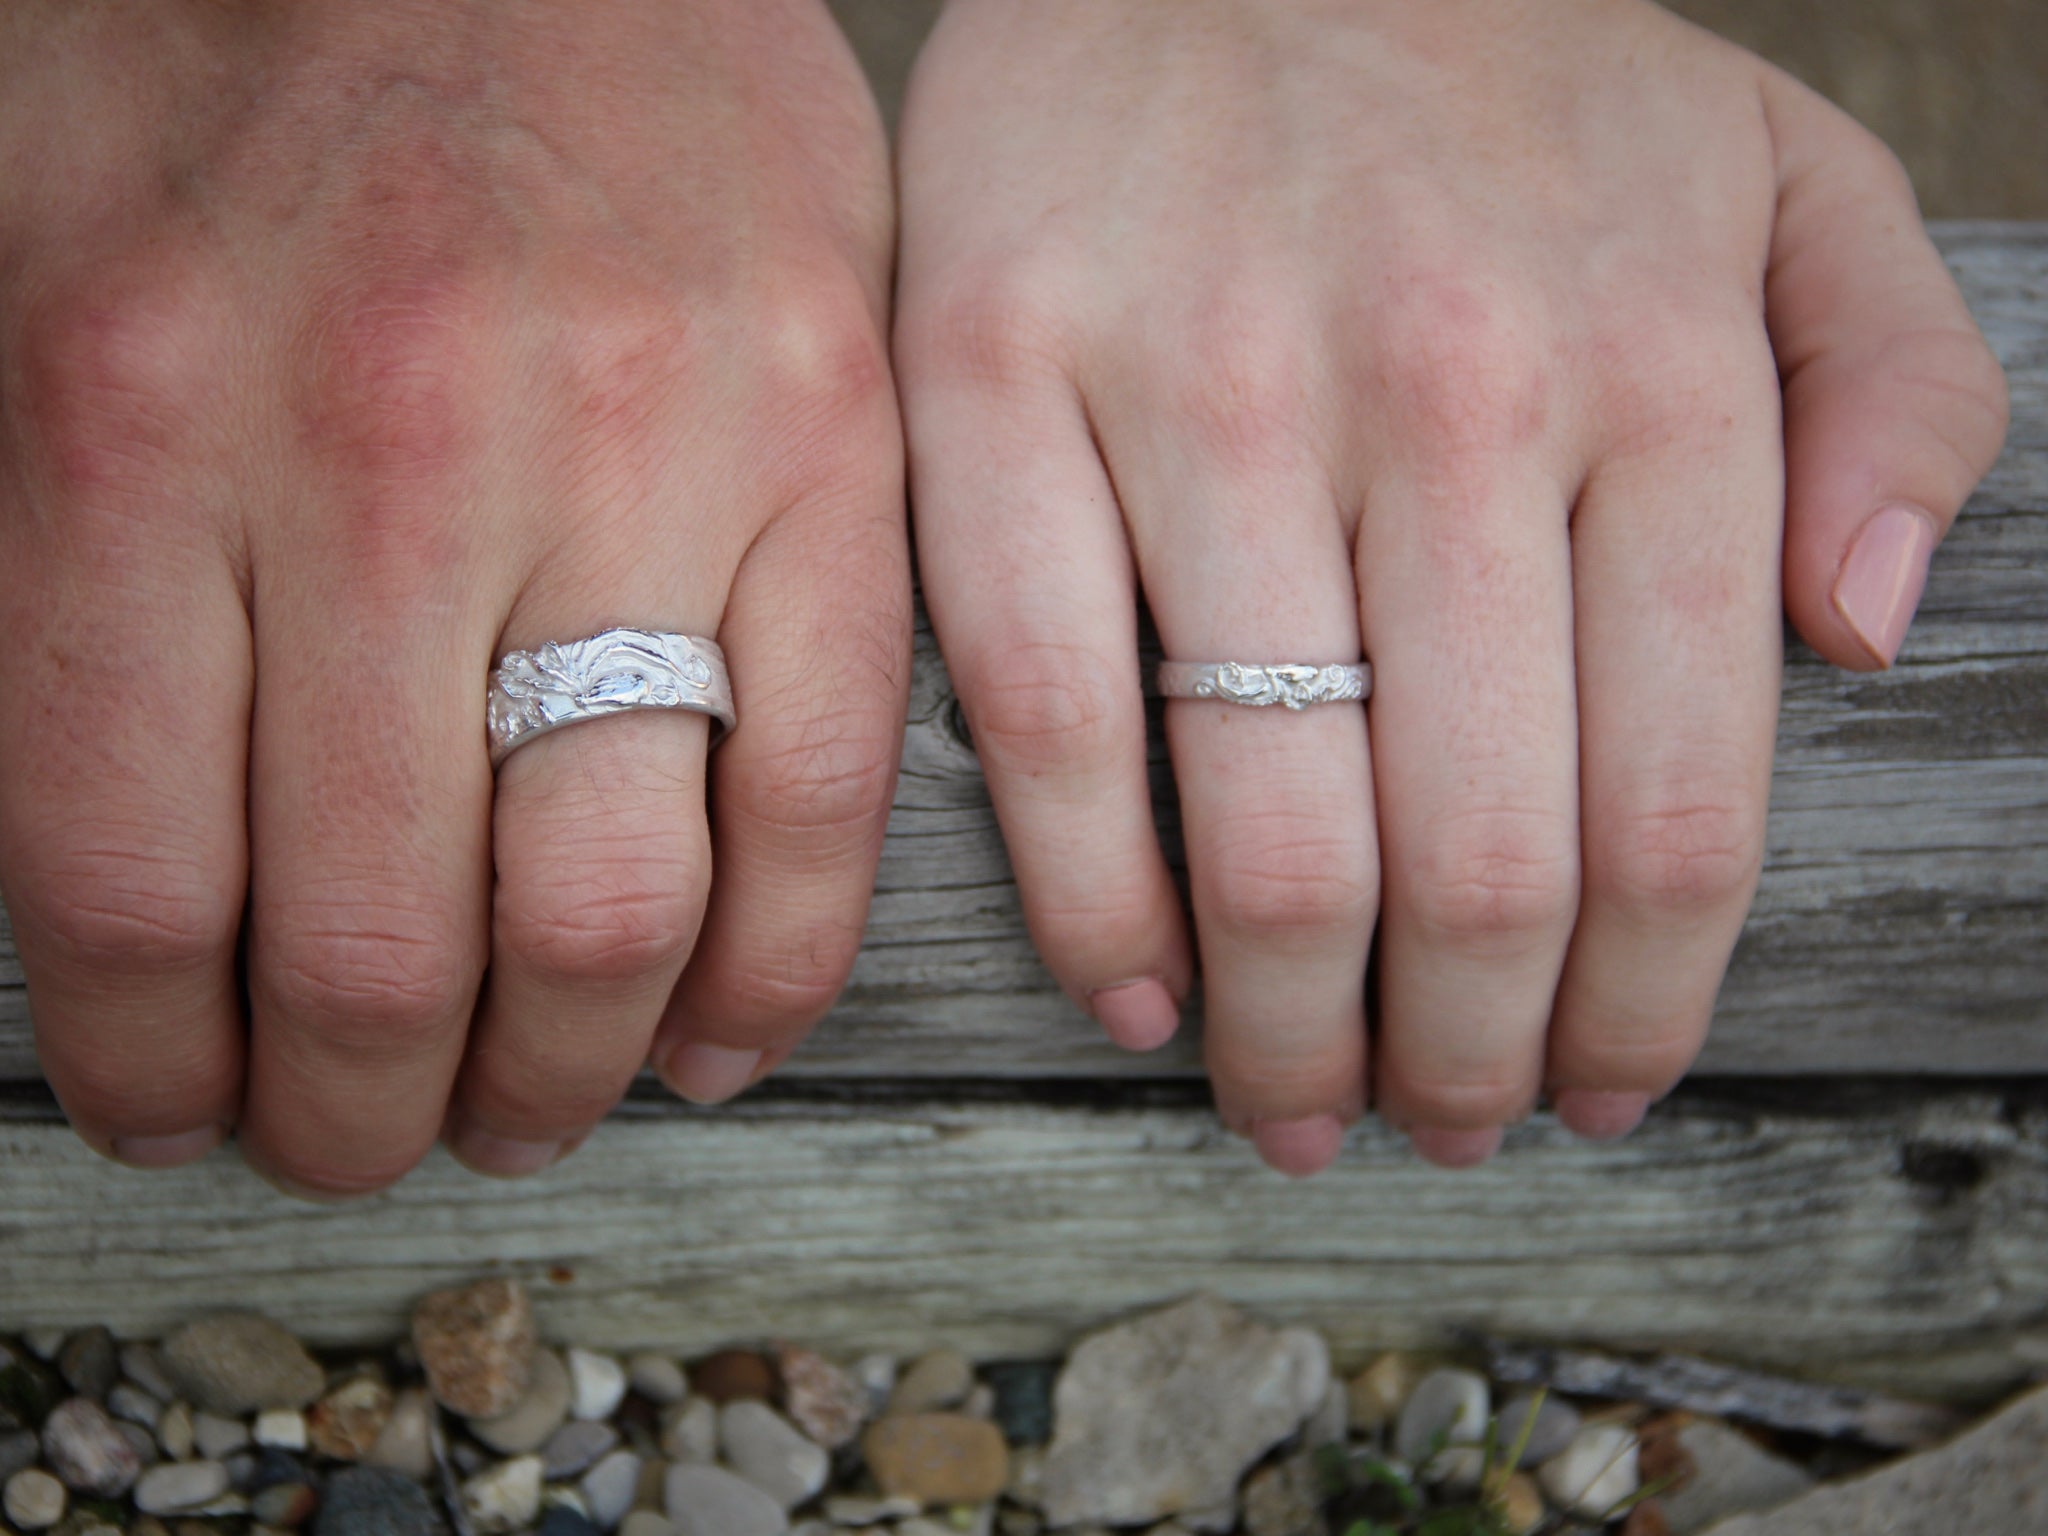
{"x":1451,"y":334}
{"x":347,"y":345}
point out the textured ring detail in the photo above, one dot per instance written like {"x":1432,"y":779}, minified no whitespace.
{"x":534,"y":692}
{"x":1293,"y":684}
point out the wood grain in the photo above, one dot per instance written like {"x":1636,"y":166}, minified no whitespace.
{"x":1890,"y":1237}
{"x":1902,"y":924}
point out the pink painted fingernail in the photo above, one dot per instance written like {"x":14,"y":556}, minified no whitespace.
{"x":168,"y":1151}
{"x":1138,"y":1015}
{"x":705,"y":1073}
{"x":1299,"y":1148}
{"x":502,"y":1157}
{"x":1881,"y":581}
{"x":1601,"y":1116}
{"x":1454,"y":1149}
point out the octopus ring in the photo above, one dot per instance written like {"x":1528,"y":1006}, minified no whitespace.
{"x":534,"y":692}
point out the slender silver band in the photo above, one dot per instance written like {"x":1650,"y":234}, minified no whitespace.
{"x":1249,"y":682}
{"x":534,"y":692}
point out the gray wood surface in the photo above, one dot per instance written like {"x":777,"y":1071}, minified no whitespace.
{"x":1891,"y":1237}
{"x":1902,"y":924}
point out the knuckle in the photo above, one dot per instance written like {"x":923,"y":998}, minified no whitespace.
{"x":1049,"y":707}
{"x":1646,"y":1057}
{"x":831,"y":785}
{"x":1681,"y":856}
{"x":1463,"y":370}
{"x":126,"y":910}
{"x":369,"y":990}
{"x":611,"y":922}
{"x":113,"y":364}
{"x":1467,"y":1102}
{"x":795,"y":986}
{"x":1282,"y":883}
{"x":1501,"y":877}
{"x":111,"y":1092}
{"x":997,"y":328}
{"x":1244,"y":386}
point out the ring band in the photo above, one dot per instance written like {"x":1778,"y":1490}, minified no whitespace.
{"x":1293,"y":684}
{"x":534,"y":692}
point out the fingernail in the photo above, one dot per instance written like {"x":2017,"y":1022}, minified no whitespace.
{"x":705,"y":1073}
{"x":1881,"y":581}
{"x":167,"y":1151}
{"x":1299,"y":1148}
{"x":1138,"y":1015}
{"x":502,"y":1157}
{"x":1454,"y":1149}
{"x":1601,"y":1116}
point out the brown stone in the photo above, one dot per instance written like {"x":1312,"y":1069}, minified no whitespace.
{"x":346,"y":1422}
{"x":826,"y":1403}
{"x":1519,"y":1503}
{"x":476,"y":1345}
{"x":937,"y":1458}
{"x":1661,"y":1461}
{"x":1646,"y":1519}
{"x":732,"y":1374}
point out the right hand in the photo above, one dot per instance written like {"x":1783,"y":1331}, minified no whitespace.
{"x":345,"y":345}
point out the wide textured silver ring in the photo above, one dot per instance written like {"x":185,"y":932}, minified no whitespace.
{"x":534,"y":692}
{"x":1295,"y":685}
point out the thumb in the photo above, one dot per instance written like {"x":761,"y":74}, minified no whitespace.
{"x":1894,"y":405}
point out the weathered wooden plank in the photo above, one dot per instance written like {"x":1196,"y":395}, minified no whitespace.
{"x":1893,"y":1238}
{"x":1903,"y":920}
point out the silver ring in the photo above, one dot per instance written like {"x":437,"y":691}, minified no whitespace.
{"x":534,"y":692}
{"x":1294,"y":684}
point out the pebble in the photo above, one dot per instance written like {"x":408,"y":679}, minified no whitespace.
{"x":1456,"y":1469}
{"x":1023,"y":1390}
{"x":1728,"y":1474}
{"x":1162,"y":1415}
{"x":19,"y":1448}
{"x":771,"y":1453}
{"x":597,"y":1384}
{"x":89,"y":1363}
{"x":565,"y":1520}
{"x":1285,"y":1500}
{"x":732,"y":1374}
{"x":375,"y":1501}
{"x":177,"y":1486}
{"x":877,"y":1376}
{"x":241,"y":1362}
{"x":1447,"y":1407}
{"x":505,"y":1497}
{"x":1519,"y":1503}
{"x":1377,"y":1392}
{"x":938,"y":1458}
{"x":143,"y":1442}
{"x":43,"y":1343}
{"x":216,"y":1436}
{"x":284,"y":1505}
{"x":537,"y":1414}
{"x":34,"y":1500}
{"x":574,"y":1447}
{"x":176,"y":1432}
{"x":1595,"y":1472}
{"x":657,"y":1378}
{"x":282,"y":1428}
{"x":825,"y":1402}
{"x":1330,"y":1424}
{"x":609,"y":1486}
{"x":127,"y":1401}
{"x":647,"y":1522}
{"x":1556,"y":1422}
{"x":88,"y":1451}
{"x":860,"y":1509}
{"x":405,"y":1444}
{"x":477,"y":1345}
{"x":345,"y":1424}
{"x":934,"y":1381}
{"x":141,"y":1364}
{"x":710,"y":1501}
{"x":689,"y":1431}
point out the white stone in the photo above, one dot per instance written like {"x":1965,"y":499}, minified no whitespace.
{"x":647,"y":1522}
{"x":657,"y":1378}
{"x":857,"y":1509}
{"x":1731,"y":1475}
{"x":597,"y":1384}
{"x":216,"y":1436}
{"x":689,"y":1431}
{"x":1595,"y":1472}
{"x":179,"y":1487}
{"x":174,"y":1431}
{"x":34,"y":1500}
{"x":710,"y":1501}
{"x":1447,"y":1407}
{"x":505,"y":1497}
{"x":772,"y":1453}
{"x":282,"y":1429}
{"x":127,"y":1401}
{"x":406,"y":1444}
{"x":1331,"y":1422}
{"x":141,"y":1364}
{"x":608,"y":1488}
{"x":877,"y":1376}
